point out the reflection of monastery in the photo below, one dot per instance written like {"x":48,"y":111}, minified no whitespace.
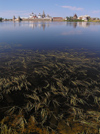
{"x":83,"y":24}
{"x":40,"y":25}
{"x":79,"y":24}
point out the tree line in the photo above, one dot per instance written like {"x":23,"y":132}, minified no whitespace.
{"x":0,"y":19}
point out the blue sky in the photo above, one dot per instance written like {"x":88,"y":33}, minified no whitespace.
{"x":59,"y":8}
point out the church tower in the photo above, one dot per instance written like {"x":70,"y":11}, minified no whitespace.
{"x":43,"y":15}
{"x":14,"y":18}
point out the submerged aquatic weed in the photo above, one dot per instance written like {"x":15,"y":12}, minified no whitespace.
{"x":48,"y":88}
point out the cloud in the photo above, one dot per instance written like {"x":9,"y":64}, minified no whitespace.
{"x":96,"y":11}
{"x":72,"y":8}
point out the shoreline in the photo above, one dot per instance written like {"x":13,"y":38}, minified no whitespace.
{"x":48,"y":20}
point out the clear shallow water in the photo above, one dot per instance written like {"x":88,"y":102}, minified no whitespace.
{"x":65,"y":82}
{"x":51,"y":35}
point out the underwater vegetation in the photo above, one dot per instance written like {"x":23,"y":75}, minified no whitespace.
{"x":49,"y":92}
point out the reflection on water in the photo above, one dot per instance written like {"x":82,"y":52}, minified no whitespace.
{"x":74,"y":24}
{"x":51,"y":35}
{"x":32,"y":24}
{"x":79,"y":24}
{"x":47,"y":24}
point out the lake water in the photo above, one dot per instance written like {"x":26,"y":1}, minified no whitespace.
{"x":50,"y":75}
{"x":51,"y":35}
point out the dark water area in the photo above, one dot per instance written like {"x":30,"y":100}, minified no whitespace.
{"x":51,"y":35}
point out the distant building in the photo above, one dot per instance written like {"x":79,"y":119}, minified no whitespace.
{"x":19,"y":18}
{"x":43,"y":15}
{"x":98,"y":19}
{"x":49,"y":17}
{"x":85,"y":17}
{"x":58,"y":19}
{"x":66,"y":18}
{"x":75,"y":17}
{"x":39,"y":16}
{"x":32,"y":16}
{"x":14,"y":18}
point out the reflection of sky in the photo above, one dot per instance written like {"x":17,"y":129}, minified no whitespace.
{"x":72,"y":33}
{"x":51,"y":34}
